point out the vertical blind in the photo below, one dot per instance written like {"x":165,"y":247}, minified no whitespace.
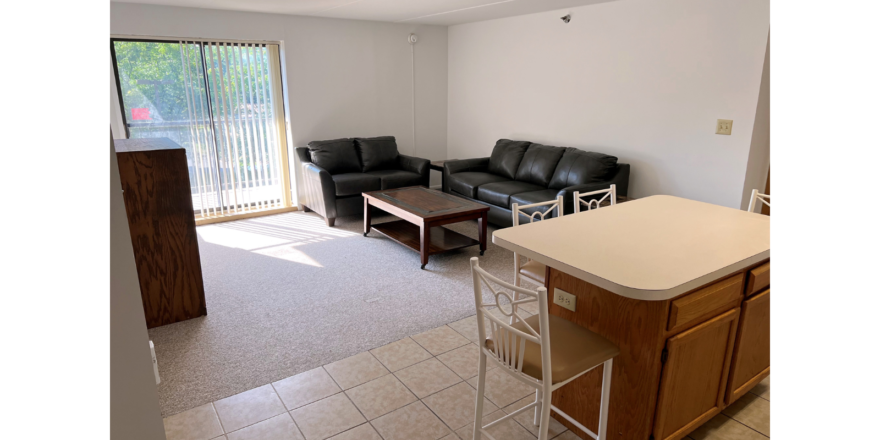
{"x":234,"y":117}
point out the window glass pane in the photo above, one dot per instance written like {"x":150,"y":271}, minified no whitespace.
{"x":217,"y":100}
{"x":153,"y":78}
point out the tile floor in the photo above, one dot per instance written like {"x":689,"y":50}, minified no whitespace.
{"x":421,"y":387}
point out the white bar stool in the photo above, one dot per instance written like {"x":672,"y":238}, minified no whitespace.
{"x":523,"y":350}
{"x":758,"y":197}
{"x":530,"y":269}
{"x":611,"y":193}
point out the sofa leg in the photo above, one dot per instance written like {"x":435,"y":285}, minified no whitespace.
{"x":306,"y":209}
{"x":330,"y":221}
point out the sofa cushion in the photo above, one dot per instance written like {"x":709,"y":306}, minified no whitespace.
{"x":337,"y":156}
{"x":350,"y":184}
{"x":378,"y":153}
{"x":578,"y":167}
{"x":499,"y":193}
{"x":538,"y":164}
{"x":397,"y":178}
{"x":527,"y":198}
{"x":506,"y":157}
{"x":467,"y":183}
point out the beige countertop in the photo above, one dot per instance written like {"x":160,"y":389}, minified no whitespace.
{"x":654,"y":248}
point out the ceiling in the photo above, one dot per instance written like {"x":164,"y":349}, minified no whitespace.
{"x":439,"y":12}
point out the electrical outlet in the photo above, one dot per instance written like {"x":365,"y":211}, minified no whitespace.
{"x":724,"y":126}
{"x":564,"y":299}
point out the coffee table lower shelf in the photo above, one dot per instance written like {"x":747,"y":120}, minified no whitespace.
{"x":407,"y":234}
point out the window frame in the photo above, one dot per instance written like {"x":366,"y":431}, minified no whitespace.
{"x":290,"y":199}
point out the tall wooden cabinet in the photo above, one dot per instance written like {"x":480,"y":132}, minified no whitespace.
{"x":156,"y":189}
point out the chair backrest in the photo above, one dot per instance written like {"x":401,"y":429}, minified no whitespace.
{"x":509,"y":343}
{"x":518,"y":209}
{"x":756,"y":197}
{"x":610,"y":193}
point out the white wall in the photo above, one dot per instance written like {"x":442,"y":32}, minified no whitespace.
{"x":758,"y":166}
{"x":345,"y":78}
{"x":134,"y":401}
{"x":644,"y":80}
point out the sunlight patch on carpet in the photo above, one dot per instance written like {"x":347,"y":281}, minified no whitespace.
{"x":274,"y":236}
{"x":290,"y":253}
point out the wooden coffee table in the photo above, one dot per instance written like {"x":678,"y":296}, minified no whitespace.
{"x":423,"y":211}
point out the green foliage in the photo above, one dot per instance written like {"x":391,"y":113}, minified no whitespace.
{"x":152,"y":75}
{"x":155,"y":62}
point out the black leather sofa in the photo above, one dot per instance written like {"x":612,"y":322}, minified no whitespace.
{"x":524,"y":172}
{"x":336,"y":172}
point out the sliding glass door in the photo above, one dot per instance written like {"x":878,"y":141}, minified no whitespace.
{"x":221,"y":101}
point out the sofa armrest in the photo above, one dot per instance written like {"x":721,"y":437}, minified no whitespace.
{"x":463,"y":165}
{"x":416,"y":165}
{"x":303,"y":154}
{"x":320,"y":191}
{"x":620,"y":179}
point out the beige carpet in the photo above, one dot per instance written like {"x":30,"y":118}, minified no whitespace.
{"x":286,"y":294}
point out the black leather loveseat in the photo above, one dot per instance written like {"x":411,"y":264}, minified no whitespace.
{"x":524,"y":172}
{"x":336,"y":172}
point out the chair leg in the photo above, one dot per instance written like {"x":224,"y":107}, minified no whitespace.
{"x":481,"y":390}
{"x":606,"y":393}
{"x":330,"y":221}
{"x":544,"y":429}
{"x":538,"y":394}
{"x":516,"y":282}
{"x":513,"y":308}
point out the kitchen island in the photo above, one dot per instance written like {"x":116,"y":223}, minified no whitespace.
{"x":681,"y":287}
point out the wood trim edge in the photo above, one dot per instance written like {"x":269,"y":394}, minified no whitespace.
{"x":753,"y":274}
{"x":244,"y":215}
{"x":746,"y":387}
{"x":696,"y":423}
{"x":699,"y":296}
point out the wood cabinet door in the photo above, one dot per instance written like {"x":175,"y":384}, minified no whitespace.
{"x":694,"y":376}
{"x":751,"y":354}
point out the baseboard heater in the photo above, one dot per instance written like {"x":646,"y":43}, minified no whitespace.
{"x":155,"y":364}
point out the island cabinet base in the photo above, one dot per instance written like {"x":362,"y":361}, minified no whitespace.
{"x":676,"y":356}
{"x":638,"y":329}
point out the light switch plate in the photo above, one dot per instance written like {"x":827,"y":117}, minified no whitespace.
{"x":564,"y":299}
{"x":724,"y":126}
